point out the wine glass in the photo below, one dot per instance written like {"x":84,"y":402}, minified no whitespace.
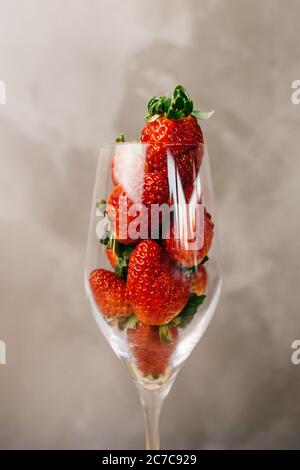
{"x":153,"y":279}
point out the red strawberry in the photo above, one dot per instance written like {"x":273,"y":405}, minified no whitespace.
{"x":151,"y":355}
{"x":157,"y":292}
{"x":199,"y":281}
{"x":118,"y":204}
{"x":178,"y":248}
{"x":172,"y":128}
{"x":155,"y":189}
{"x":183,"y":138}
{"x":131,"y":216}
{"x":190,"y":195}
{"x":128,"y":165}
{"x":109,"y":293}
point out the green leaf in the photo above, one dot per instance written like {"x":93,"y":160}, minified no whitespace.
{"x":131,"y":321}
{"x":173,"y":114}
{"x":166,"y":103}
{"x":150,"y":118}
{"x":191,"y":308}
{"x":179,"y":90}
{"x":188,"y":107}
{"x":152,"y":103}
{"x":203,"y":115}
{"x":183,"y":319}
{"x":123,"y":253}
{"x":179,"y":103}
{"x":121,"y":267}
{"x":165,"y":334}
{"x":120,"y":138}
{"x":175,"y":321}
{"x":155,"y":106}
{"x":206,"y":258}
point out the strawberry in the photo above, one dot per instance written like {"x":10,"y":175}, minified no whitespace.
{"x":118,"y":204}
{"x":128,"y":165}
{"x":155,"y":189}
{"x":199,"y":280}
{"x":187,"y":155}
{"x":109,"y":293}
{"x":190,"y":195}
{"x":131,"y":216}
{"x":157,"y":292}
{"x":151,"y":355}
{"x":172,"y":125}
{"x":177,"y":250}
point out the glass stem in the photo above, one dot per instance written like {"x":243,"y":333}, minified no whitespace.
{"x":152,"y":401}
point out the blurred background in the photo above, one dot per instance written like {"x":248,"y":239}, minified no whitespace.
{"x":78,"y":73}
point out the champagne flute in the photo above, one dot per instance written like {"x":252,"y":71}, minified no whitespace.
{"x":185,"y":282}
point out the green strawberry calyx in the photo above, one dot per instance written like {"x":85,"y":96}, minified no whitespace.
{"x":125,"y":323}
{"x":122,"y":252}
{"x":177,"y":106}
{"x":182,"y":319}
{"x":120,"y":138}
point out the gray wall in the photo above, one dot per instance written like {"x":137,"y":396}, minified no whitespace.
{"x":77,"y":73}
